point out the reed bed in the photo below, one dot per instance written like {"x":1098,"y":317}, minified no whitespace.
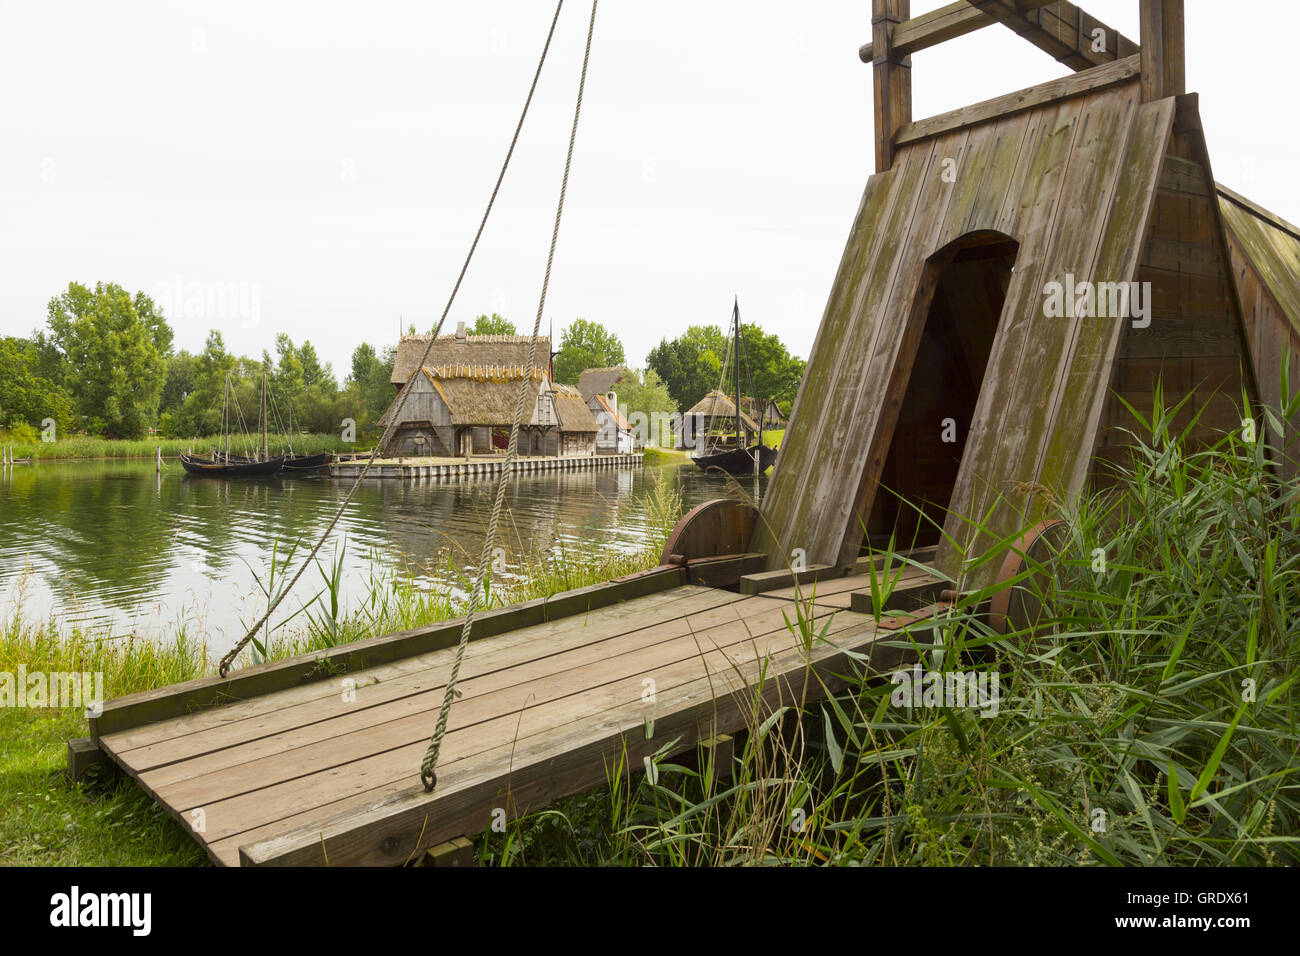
{"x":1147,"y":718}
{"x":90,"y":446}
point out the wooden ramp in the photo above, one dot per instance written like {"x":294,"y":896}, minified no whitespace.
{"x":325,"y":768}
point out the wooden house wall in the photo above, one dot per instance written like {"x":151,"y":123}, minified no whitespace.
{"x":1195,"y":346}
{"x":1270,"y":330}
{"x":1073,"y":182}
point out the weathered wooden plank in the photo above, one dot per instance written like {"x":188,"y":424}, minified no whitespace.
{"x":1164,"y":58}
{"x":1092,"y":177}
{"x":962,"y":18}
{"x":1079,"y":84}
{"x":1079,"y":403}
{"x":483,"y":718}
{"x":1029,"y":219}
{"x":804,"y":507}
{"x":178,"y":699}
{"x":522,"y":644}
{"x":464,"y":761}
{"x":1062,"y":30}
{"x":540,"y":648}
{"x":891,"y":78}
{"x":545,"y":768}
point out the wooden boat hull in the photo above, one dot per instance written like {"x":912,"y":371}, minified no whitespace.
{"x":307,"y":464}
{"x":738,"y":461}
{"x":231,"y":469}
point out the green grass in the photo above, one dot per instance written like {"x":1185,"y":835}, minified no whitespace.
{"x":89,"y":446}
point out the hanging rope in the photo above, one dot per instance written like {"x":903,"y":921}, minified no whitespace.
{"x":427,"y":766}
{"x":224,"y":667}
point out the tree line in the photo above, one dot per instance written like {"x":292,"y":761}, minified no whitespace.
{"x":104,"y":364}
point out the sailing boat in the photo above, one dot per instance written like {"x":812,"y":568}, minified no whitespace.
{"x":223,"y":464}
{"x":743,"y":459}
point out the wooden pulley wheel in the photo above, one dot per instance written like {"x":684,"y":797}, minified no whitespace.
{"x":715,"y":528}
{"x":1017,"y":606}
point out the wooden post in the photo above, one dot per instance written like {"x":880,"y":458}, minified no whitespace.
{"x":1164,"y":54}
{"x":892,"y":78}
{"x":158,"y":462}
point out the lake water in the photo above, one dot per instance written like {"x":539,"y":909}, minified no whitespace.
{"x":112,"y":545}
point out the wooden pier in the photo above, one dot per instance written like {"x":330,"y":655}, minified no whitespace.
{"x":316,"y":760}
{"x":444,"y":469}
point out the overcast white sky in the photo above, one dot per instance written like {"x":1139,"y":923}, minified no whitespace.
{"x":327,"y":163}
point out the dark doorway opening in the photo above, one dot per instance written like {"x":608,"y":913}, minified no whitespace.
{"x":968,"y":281}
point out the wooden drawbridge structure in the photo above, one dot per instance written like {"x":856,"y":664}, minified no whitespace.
{"x":1014,"y":269}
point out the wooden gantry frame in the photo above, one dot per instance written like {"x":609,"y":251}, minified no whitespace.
{"x":1070,"y":34}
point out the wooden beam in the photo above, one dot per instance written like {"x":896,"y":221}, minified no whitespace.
{"x":1164,"y":53}
{"x":1097,"y":78}
{"x":1071,"y":35}
{"x":1051,"y":25}
{"x":892,"y":86}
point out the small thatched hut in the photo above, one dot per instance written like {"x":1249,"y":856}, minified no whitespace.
{"x":716,"y":411}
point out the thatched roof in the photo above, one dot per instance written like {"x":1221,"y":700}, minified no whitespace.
{"x":574,"y":414}
{"x":717,"y":405}
{"x":481,"y":350}
{"x":598,"y":381}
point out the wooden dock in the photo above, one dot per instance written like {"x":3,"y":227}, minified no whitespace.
{"x":316,"y":759}
{"x":459,"y":469}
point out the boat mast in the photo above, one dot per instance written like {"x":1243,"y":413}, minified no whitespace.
{"x":225,"y":415}
{"x":735,"y":319}
{"x":265,"y":453}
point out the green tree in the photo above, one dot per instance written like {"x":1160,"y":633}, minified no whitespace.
{"x":691,"y":364}
{"x":586,"y":345}
{"x":369,"y":385}
{"x":114,"y":368}
{"x":493,"y":325}
{"x":27,"y":397}
{"x":768,"y":371}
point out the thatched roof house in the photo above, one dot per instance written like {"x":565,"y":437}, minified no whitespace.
{"x":717,"y":405}
{"x":464,"y":349}
{"x":463,"y":410}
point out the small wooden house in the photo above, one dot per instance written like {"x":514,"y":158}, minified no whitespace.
{"x":771,"y":413}
{"x":597,"y":388}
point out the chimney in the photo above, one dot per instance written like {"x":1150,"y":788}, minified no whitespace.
{"x":461,"y":336}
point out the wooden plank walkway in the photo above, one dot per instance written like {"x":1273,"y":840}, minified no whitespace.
{"x":328,"y":770}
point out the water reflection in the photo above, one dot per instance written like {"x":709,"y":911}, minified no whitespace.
{"x":114,"y":544}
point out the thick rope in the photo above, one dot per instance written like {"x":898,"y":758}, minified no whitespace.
{"x":401,"y":398}
{"x":430,"y":762}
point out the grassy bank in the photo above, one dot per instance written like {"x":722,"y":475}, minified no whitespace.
{"x":89,"y":446}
